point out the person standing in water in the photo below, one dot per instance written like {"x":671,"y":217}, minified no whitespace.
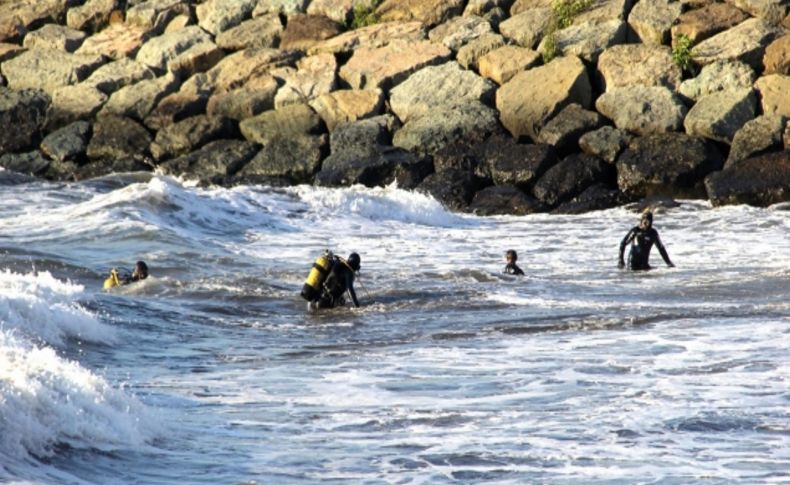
{"x":512,"y":268}
{"x":642,"y":238}
{"x":339,"y":281}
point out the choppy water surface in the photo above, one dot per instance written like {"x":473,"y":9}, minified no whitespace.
{"x":212,"y":372}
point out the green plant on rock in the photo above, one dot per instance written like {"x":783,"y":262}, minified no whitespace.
{"x":563,"y":13}
{"x":550,"y":49}
{"x":364,"y":14}
{"x":681,"y":53}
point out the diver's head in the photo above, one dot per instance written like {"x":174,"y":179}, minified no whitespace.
{"x":511,"y":256}
{"x":647,"y":220}
{"x":354,"y":261}
{"x":140,"y":271}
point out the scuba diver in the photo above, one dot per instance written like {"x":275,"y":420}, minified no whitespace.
{"x":512,"y":268}
{"x":124,"y":276}
{"x":642,"y":238}
{"x":329,"y":279}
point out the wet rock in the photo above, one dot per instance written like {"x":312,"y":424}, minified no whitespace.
{"x":605,"y":143}
{"x":32,"y":163}
{"x":760,"y":135}
{"x":429,"y":12}
{"x":760,"y":181}
{"x":773,"y":90}
{"x":454,"y":189}
{"x":638,"y":65}
{"x":22,"y":116}
{"x":370,"y":37}
{"x":587,"y":41}
{"x":719,"y":116}
{"x":139,"y":99}
{"x":295,"y":158}
{"x":314,"y":76}
{"x":292,"y":120}
{"x":382,"y":166}
{"x":504,"y":200}
{"x":118,"y":137}
{"x":118,"y":74}
{"x":506,"y":162}
{"x":459,"y":31}
{"x":505,"y":62}
{"x":103,"y":167}
{"x":669,"y":164}
{"x":532,"y":97}
{"x":745,"y":42}
{"x":305,"y":31}
{"x":48,"y":69}
{"x":702,"y":23}
{"x":469,"y":55}
{"x":67,"y":143}
{"x":117,"y":41}
{"x":594,"y":198}
{"x":348,"y":105}
{"x":262,"y":31}
{"x":72,"y":103}
{"x":56,"y":37}
{"x":387,"y":66}
{"x":217,"y":16}
{"x":437,"y":87}
{"x":527,"y":28}
{"x":363,"y":138}
{"x":214,"y":163}
{"x":190,"y":134}
{"x":777,"y":56}
{"x":183,"y":52}
{"x":643,"y":110}
{"x":718,"y":76}
{"x":651,"y":20}
{"x":571,"y":177}
{"x":564,"y":129}
{"x":155,"y":15}
{"x":256,"y":97}
{"x":93,"y":15}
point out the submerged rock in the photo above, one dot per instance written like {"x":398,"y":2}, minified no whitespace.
{"x":760,"y":181}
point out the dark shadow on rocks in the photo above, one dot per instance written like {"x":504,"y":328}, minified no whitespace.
{"x":504,"y":200}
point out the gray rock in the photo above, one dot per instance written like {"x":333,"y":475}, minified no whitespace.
{"x":118,"y":137}
{"x":284,"y":7}
{"x":587,"y":41}
{"x":72,"y":103}
{"x":762,"y":181}
{"x":183,"y":52}
{"x":459,"y":31}
{"x":772,"y":11}
{"x":720,"y":115}
{"x":454,"y":189}
{"x":363,"y":138}
{"x":22,"y":116}
{"x":527,"y":28}
{"x":295,"y":159}
{"x":502,"y":64}
{"x":103,"y":167}
{"x":594,"y":198}
{"x":251,"y":100}
{"x":348,"y":105}
{"x":190,"y":134}
{"x":564,"y":130}
{"x":264,"y":31}
{"x":571,"y":177}
{"x":33,"y":163}
{"x":760,"y":135}
{"x":118,"y":74}
{"x":19,"y":16}
{"x":57,"y":37}
{"x":139,"y":99}
{"x":314,"y":76}
{"x":638,"y":64}
{"x":468,"y":55}
{"x":643,"y":110}
{"x":745,"y":42}
{"x":67,"y":143}
{"x":48,"y":69}
{"x":605,"y":143}
{"x":506,"y":162}
{"x":190,"y":100}
{"x":293,"y":120}
{"x":718,"y":76}
{"x":93,"y":15}
{"x":504,"y":200}
{"x":154,"y":15}
{"x":217,"y":16}
{"x":382,"y":166}
{"x":341,"y":11}
{"x":651,"y":20}
{"x":214,"y":163}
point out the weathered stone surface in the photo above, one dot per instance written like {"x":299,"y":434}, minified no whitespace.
{"x":295,"y":159}
{"x":139,"y":99}
{"x":67,"y":143}
{"x":154,"y":15}
{"x":594,"y":198}
{"x":436,"y":87}
{"x":9,"y":51}
{"x":531,"y":97}
{"x":504,"y":200}
{"x":506,"y":162}
{"x":521,"y":6}
{"x":760,"y":135}
{"x":118,"y":41}
{"x":306,"y":31}
{"x":481,"y":7}
{"x":603,"y":10}
{"x":760,"y":181}
{"x":429,"y":12}
{"x":502,"y":64}
{"x":745,"y":42}
{"x":72,"y":103}
{"x":371,"y":37}
{"x":429,"y":132}
{"x":178,"y":23}
{"x":571,"y":177}
{"x":213,"y":163}
{"x":718,"y":76}
{"x":669,"y":164}
{"x":117,"y":74}
{"x":22,"y":116}
{"x":638,"y":65}
{"x":93,"y":15}
{"x":292,"y":120}
{"x":459,"y":31}
{"x":285,"y":7}
{"x":190,"y":100}
{"x":705,"y":22}
{"x":383,"y":166}
{"x":363,"y":138}
{"x":341,"y":11}
{"x":651,"y":20}
{"x":772,"y":11}
{"x":118,"y":137}
{"x":777,"y":56}
{"x":314,"y":76}
{"x":48,"y":69}
{"x":190,"y":134}
{"x":527,"y":28}
{"x":563,"y":130}
{"x":720,"y":115}
{"x":264,"y":31}
{"x":587,"y":41}
{"x":643,"y":110}
{"x":100,"y":168}
{"x":217,"y":16}
{"x":605,"y":143}
{"x":183,"y":52}
{"x":32,"y":163}
{"x":468,"y":55}
{"x":387,"y":66}
{"x":18,"y":17}
{"x":241,"y":68}
{"x":239,"y":104}
{"x":454,"y":189}
{"x":56,"y":37}
{"x":774,"y":90}
{"x":348,"y":105}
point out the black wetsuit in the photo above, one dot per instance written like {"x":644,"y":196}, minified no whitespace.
{"x":512,"y":268}
{"x":642,"y":241}
{"x":339,"y":280}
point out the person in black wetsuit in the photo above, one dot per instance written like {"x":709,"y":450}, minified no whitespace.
{"x":512,"y":268}
{"x":340,"y":280}
{"x":642,"y":238}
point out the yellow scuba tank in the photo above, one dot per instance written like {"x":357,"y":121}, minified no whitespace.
{"x":113,"y":280}
{"x":315,"y":280}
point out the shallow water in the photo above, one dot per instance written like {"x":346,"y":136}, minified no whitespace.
{"x":212,"y":372}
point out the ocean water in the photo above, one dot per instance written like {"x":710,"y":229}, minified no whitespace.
{"x":211,"y":371}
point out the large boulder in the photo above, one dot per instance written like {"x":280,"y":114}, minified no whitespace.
{"x":532,"y":97}
{"x":651,"y":20}
{"x":139,"y":99}
{"x":254,"y":98}
{"x":183,"y":52}
{"x":341,"y":11}
{"x":506,"y":162}
{"x":594,"y":198}
{"x":468,"y":56}
{"x":564,"y":129}
{"x":760,"y":135}
{"x":347,"y":105}
{"x":118,"y":74}
{"x":118,"y":41}
{"x":586,"y":41}
{"x":570,"y":177}
{"x":772,"y":11}
{"x":668,"y":164}
{"x":505,"y":62}
{"x":702,"y":23}
{"x":371,"y":37}
{"x":777,"y":56}
{"x":20,"y":16}
{"x":244,"y":67}
{"x":745,"y":42}
{"x":48,"y":69}
{"x":385,"y":67}
{"x":605,"y":143}
{"x":429,"y":12}
{"x":381,"y":167}
{"x":72,"y":103}
{"x":214,"y":163}
{"x":190,"y":134}
{"x":22,"y":116}
{"x":217,"y":16}
{"x":294,"y":158}
{"x":305,"y":31}
{"x":720,"y":115}
{"x":481,"y":7}
{"x":601,"y":11}
{"x":504,"y":200}
{"x":264,"y":31}
{"x":459,"y":31}
{"x":30,"y":163}
{"x":773,"y":90}
{"x":760,"y":181}
{"x":638,"y":64}
{"x":315,"y":75}
{"x":436,"y":87}
{"x":292,"y":120}
{"x":67,"y":143}
{"x":93,"y":15}
{"x":643,"y":110}
{"x":718,"y":76}
{"x":51,"y":36}
{"x":454,"y":189}
{"x":189,"y":100}
{"x":118,"y":137}
{"x":527,"y":28}
{"x":155,"y":15}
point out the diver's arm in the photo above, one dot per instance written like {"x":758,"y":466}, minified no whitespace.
{"x":350,"y":286}
{"x":663,"y":251}
{"x":626,"y":240}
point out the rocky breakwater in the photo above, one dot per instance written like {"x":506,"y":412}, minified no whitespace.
{"x":492,"y":106}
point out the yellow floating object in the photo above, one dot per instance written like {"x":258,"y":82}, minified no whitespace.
{"x":113,"y":280}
